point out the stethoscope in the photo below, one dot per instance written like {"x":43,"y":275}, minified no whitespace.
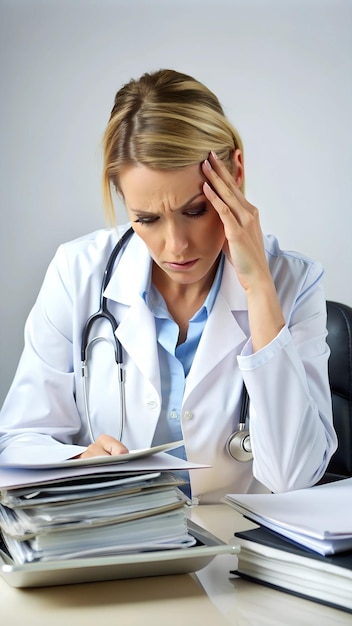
{"x":104,"y":313}
{"x":238,"y":445}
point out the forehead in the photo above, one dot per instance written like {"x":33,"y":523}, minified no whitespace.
{"x":145,"y":188}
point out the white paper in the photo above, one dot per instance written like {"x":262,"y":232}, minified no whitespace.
{"x":39,"y":461}
{"x":319,"y":517}
{"x":10,"y":478}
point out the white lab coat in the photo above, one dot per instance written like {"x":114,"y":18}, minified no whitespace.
{"x":290,"y":420}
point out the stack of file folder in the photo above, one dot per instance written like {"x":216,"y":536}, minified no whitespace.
{"x":91,"y":515}
{"x":102,"y":518}
{"x":303,"y":544}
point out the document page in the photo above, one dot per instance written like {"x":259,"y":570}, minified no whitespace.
{"x":319,"y":517}
{"x":41,"y":462}
{"x":12,"y":477}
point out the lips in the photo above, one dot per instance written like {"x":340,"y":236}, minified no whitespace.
{"x":185,"y":265}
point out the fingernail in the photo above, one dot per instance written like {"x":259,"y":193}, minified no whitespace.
{"x":207,"y":164}
{"x":213,"y":154}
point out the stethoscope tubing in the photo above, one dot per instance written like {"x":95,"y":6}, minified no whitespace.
{"x":104,"y":313}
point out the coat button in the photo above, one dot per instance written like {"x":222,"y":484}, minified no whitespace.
{"x":187,"y":415}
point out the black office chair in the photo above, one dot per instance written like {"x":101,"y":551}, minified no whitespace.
{"x":339,"y":325}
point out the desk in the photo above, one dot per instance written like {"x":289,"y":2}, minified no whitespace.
{"x":208,"y":597}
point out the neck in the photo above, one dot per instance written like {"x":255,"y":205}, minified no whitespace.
{"x":182,"y":301}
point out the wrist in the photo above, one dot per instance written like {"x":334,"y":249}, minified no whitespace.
{"x":265,"y":316}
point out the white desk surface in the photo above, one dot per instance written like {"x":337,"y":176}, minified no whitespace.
{"x":210,"y":596}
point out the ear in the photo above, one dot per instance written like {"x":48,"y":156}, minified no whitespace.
{"x":238,"y":167}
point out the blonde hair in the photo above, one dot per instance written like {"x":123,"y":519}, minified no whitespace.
{"x":164,"y":120}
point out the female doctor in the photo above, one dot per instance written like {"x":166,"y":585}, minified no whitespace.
{"x":203,"y":303}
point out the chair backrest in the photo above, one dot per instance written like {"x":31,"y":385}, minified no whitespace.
{"x":339,"y":325}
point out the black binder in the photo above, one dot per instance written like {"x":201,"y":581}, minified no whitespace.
{"x":284,"y":566}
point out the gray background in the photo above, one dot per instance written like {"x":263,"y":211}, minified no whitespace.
{"x":281,"y":68}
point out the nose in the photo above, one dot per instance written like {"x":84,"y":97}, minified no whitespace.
{"x":176,"y":239}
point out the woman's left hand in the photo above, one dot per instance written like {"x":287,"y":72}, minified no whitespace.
{"x":244,"y":241}
{"x":244,"y":247}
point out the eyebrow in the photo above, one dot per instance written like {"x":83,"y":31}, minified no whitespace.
{"x":180,"y":208}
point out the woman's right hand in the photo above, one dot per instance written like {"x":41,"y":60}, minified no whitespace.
{"x":105,"y":445}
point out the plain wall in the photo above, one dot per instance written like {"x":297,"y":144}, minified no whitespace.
{"x":281,"y":68}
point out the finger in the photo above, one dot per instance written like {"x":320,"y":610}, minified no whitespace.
{"x":118,"y":448}
{"x":219,"y":168}
{"x":227,"y":216}
{"x":105,"y":445}
{"x":92,"y":451}
{"x":224,"y":184}
{"x":222,"y":187}
{"x":111,"y":445}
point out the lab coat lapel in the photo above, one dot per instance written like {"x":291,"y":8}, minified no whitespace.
{"x":136,"y":329}
{"x":137,"y":335}
{"x":222,"y":333}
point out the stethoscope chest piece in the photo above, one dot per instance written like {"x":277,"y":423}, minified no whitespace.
{"x":239,"y":446}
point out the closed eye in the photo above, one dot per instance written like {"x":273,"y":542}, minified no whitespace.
{"x":146,"y":219}
{"x":196,"y":211}
{"x":192,"y":212}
